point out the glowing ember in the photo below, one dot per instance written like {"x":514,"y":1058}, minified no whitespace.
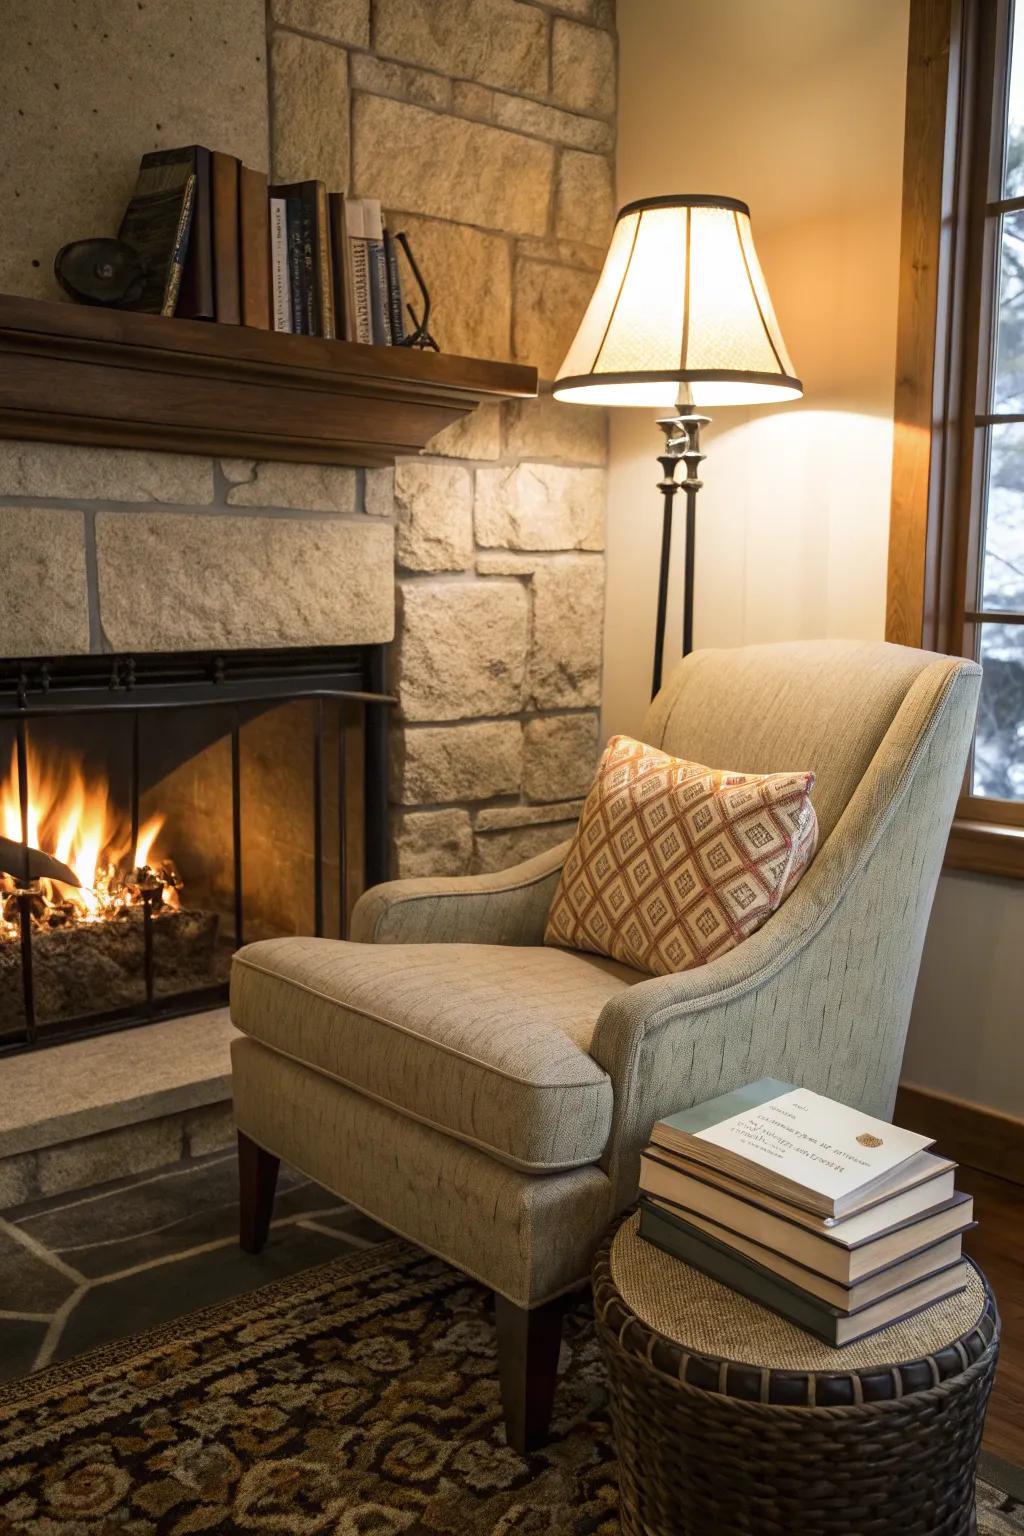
{"x":72,"y":818}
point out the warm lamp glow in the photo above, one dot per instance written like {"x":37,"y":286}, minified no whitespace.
{"x":681,"y":300}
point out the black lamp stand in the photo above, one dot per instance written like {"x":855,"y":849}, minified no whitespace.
{"x":682,"y":446}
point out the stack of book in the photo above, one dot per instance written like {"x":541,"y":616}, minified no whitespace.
{"x":219,"y":243}
{"x":334,"y":267}
{"x":839,"y":1222}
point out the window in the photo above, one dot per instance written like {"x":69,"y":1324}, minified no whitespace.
{"x":956,"y":570}
{"x":993,"y":575}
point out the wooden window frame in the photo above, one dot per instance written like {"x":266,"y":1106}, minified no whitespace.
{"x":953,"y":114}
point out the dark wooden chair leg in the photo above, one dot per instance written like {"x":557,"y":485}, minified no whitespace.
{"x":528,"y":1344}
{"x":257,"y":1181}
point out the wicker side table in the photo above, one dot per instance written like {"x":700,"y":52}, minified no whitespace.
{"x":729,"y":1419}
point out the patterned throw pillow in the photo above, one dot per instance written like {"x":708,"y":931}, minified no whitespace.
{"x":673,"y":863}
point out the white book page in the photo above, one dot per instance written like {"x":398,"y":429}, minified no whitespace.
{"x":824,"y":1146}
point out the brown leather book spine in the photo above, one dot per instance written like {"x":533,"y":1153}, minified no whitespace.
{"x":254,"y":238}
{"x":227,"y":287}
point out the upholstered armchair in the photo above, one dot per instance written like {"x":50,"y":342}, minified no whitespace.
{"x":488,"y":1097}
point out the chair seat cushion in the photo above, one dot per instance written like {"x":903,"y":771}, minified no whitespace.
{"x":486,"y":1042}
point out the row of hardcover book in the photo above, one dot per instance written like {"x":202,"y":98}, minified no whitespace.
{"x":840,"y":1265}
{"x":220,"y":243}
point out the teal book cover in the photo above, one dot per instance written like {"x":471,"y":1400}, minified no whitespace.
{"x":700,"y":1117}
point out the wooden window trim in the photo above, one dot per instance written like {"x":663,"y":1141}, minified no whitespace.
{"x":941,"y":296}
{"x":986,"y":848}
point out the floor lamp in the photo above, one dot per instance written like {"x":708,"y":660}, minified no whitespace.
{"x":681,"y":318}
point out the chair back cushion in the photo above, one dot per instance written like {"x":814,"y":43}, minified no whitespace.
{"x":673,"y":863}
{"x":821,"y":704}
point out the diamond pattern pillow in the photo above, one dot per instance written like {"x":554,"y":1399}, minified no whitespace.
{"x":673,"y":863}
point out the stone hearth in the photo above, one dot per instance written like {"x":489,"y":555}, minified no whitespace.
{"x":95,"y":1110}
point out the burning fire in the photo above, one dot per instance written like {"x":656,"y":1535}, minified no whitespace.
{"x":73,"y":819}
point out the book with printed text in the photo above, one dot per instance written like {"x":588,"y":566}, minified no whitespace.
{"x":795,"y":1144}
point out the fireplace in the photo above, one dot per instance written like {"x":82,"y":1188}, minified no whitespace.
{"x":157,"y":811}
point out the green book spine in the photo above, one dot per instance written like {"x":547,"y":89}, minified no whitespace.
{"x":816,"y":1317}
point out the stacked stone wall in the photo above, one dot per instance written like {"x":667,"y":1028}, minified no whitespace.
{"x":486,"y":128}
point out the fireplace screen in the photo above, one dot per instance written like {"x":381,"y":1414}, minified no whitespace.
{"x":157,"y":812}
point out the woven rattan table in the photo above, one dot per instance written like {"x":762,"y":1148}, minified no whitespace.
{"x":730,"y":1420}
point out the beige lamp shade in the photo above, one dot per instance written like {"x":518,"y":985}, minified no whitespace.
{"x":681,"y":300}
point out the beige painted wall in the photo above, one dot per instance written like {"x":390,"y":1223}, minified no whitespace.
{"x":797,"y":106}
{"x":965,"y":1034}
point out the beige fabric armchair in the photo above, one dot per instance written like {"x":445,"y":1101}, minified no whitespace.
{"x":488,"y":1097}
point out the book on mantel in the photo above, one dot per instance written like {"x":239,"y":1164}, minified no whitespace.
{"x":840,"y":1222}
{"x":216,"y":242}
{"x":159,"y":224}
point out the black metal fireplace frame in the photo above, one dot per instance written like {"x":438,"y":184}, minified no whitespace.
{"x":135,"y":685}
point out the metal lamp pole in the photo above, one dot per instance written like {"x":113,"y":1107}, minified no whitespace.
{"x":682,"y":446}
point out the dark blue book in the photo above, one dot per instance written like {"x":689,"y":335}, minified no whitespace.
{"x":309,"y":257}
{"x":297,"y":267}
{"x":396,"y":306}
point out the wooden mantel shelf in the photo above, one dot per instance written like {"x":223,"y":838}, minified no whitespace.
{"x":73,"y":374}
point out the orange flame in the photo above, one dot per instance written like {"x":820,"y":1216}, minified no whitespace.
{"x":72,"y":818}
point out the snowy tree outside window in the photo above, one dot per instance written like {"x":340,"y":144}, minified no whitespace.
{"x":998,"y":771}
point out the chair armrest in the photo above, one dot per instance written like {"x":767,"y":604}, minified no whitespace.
{"x":821,"y":995}
{"x":509,"y":907}
{"x":673,"y":1041}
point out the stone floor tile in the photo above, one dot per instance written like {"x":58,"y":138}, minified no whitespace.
{"x":119,"y":1308}
{"x":153,"y":1248}
{"x":19,"y":1344}
{"x":28,"y":1283}
{"x":348,"y":1222}
{"x":108,"y":1232}
{"x":130,"y":1206}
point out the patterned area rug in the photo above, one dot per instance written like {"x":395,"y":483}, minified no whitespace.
{"x":357,"y":1399}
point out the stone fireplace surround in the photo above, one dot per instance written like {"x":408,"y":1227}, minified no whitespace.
{"x":487,"y":128}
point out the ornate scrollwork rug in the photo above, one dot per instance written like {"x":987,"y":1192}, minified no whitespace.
{"x":357,"y":1399}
